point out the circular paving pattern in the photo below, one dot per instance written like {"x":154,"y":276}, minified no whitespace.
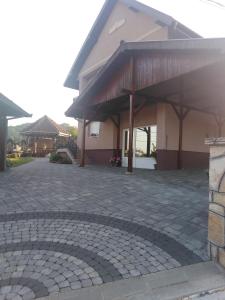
{"x":46,"y":252}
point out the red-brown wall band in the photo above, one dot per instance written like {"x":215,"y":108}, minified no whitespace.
{"x":99,"y":156}
{"x":167,"y":159}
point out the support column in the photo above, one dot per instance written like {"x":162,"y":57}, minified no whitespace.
{"x":181,"y":113}
{"x":131,"y":130}
{"x":118,"y":137}
{"x":3,"y":138}
{"x":117,"y":125}
{"x":180,"y":141}
{"x":216,"y":224}
{"x":220,"y":122}
{"x":82,"y":158}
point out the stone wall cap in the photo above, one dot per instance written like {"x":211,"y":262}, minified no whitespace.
{"x":215,"y":141}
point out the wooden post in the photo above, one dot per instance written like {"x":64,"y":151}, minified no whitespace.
{"x":3,"y":137}
{"x":148,"y":132}
{"x":181,"y":115}
{"x":180,"y":141}
{"x":220,"y":122}
{"x":118,"y":137}
{"x":82,"y":158}
{"x":131,"y":130}
{"x":131,"y":115}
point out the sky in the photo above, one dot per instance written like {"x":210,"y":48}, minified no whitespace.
{"x":40,"y":40}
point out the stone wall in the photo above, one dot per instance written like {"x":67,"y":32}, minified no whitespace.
{"x":216,"y":226}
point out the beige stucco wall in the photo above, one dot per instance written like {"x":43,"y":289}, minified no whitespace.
{"x":108,"y":132}
{"x":131,"y":26}
{"x":105,"y":140}
{"x":196,"y":128}
{"x":136,"y":27}
{"x":147,"y":116}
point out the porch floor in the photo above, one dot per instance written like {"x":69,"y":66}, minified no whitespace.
{"x":63,"y":227}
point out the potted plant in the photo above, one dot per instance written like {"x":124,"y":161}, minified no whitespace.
{"x":115,"y":161}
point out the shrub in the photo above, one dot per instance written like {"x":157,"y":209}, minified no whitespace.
{"x":12,"y":155}
{"x":66,"y":161}
{"x":8,"y":163}
{"x":55,"y":157}
{"x":26,"y":154}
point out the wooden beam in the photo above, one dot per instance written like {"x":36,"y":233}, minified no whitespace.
{"x":166,"y":100}
{"x":82,"y":157}
{"x":131,"y":116}
{"x":3,"y":137}
{"x":181,"y":113}
{"x":117,"y":125}
{"x":118,"y":137}
{"x":220,"y":122}
{"x":131,"y":130}
{"x":180,"y":142}
{"x":140,"y":106}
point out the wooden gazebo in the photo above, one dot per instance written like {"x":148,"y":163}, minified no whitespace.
{"x":8,"y":111}
{"x":44,"y":135}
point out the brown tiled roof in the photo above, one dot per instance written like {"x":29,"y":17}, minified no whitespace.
{"x":45,"y":126}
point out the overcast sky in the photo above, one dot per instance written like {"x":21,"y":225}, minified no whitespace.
{"x":39,"y":40}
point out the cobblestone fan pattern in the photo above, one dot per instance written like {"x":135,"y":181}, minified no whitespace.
{"x":64,"y":228}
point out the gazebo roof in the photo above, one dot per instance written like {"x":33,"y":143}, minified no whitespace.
{"x":45,"y":126}
{"x":9,"y":109}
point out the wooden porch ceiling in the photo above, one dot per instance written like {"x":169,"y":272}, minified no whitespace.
{"x":163,"y":72}
{"x":201,"y":90}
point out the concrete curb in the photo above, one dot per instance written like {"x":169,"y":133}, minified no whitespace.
{"x":173,"y":284}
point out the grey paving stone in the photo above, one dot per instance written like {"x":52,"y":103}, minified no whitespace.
{"x":146,"y":226}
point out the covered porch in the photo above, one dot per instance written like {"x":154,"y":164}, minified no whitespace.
{"x":8,"y":111}
{"x":182,"y":80}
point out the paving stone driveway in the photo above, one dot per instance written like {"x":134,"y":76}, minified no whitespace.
{"x":63,"y":227}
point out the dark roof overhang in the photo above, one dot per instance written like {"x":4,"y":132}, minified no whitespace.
{"x":161,"y":18}
{"x":11,"y":110}
{"x":212,"y":45}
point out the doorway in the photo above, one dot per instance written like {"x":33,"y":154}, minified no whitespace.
{"x":144,"y":147}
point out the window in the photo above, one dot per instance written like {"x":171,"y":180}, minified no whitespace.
{"x":94,"y":128}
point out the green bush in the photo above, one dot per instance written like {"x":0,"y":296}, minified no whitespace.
{"x":15,"y":162}
{"x":8,"y":163}
{"x":55,"y":157}
{"x":26,"y":154}
{"x":12,"y":155}
{"x":66,"y":161}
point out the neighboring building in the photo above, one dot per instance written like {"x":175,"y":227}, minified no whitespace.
{"x":8,"y":111}
{"x":134,"y":77}
{"x":44,"y":136}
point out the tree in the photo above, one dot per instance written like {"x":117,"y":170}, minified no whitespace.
{"x":73,"y":131}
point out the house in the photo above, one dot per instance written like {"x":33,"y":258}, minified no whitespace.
{"x":44,"y":136}
{"x":147,"y":84}
{"x":8,"y":111}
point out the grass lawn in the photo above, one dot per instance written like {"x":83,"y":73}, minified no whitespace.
{"x":15,"y":162}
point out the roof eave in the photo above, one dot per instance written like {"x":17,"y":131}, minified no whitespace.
{"x":72,"y":78}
